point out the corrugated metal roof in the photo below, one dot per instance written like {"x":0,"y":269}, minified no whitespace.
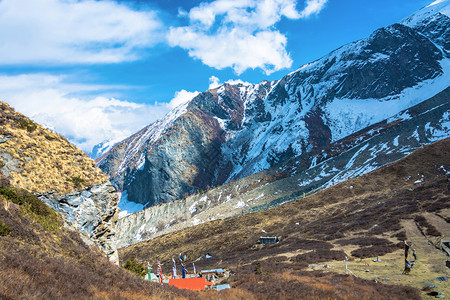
{"x":213,"y":271}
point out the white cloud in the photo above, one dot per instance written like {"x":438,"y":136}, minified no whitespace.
{"x":237,"y":81}
{"x":181,"y":97}
{"x":86,"y":122}
{"x":84,"y":31}
{"x":312,"y":7}
{"x":47,"y":99}
{"x":239,"y":33}
{"x":213,"y":82}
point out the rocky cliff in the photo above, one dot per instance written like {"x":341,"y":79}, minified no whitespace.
{"x":364,"y":151}
{"x":181,"y":153}
{"x":238,"y":130}
{"x":92,"y":211}
{"x":45,"y":163}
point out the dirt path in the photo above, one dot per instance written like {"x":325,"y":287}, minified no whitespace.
{"x":438,"y":222}
{"x":414,"y":235}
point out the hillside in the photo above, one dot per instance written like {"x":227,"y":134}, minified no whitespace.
{"x":42,"y":259}
{"x":361,"y":218}
{"x":39,"y":160}
{"x":46,"y":164}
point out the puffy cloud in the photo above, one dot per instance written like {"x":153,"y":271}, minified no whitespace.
{"x":47,"y":99}
{"x":84,"y":31}
{"x":239,"y":33}
{"x":181,"y":97}
{"x":312,"y":7}
{"x":213,"y":82}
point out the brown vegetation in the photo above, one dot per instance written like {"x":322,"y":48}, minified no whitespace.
{"x":41,"y":160}
{"x":38,"y":263}
{"x":430,"y":229}
{"x":341,"y":221}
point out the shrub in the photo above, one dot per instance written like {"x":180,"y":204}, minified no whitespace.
{"x":133,"y":266}
{"x":49,"y":137}
{"x":21,"y":197}
{"x":32,"y":206}
{"x":26,"y":124}
{"x":317,"y":256}
{"x":364,"y":241}
{"x":36,"y":205}
{"x":401,"y":236}
{"x":431,"y":230}
{"x":77,"y":181}
{"x":10,"y":194}
{"x":376,"y":250}
{"x":4,"y":229}
{"x":4,"y":181}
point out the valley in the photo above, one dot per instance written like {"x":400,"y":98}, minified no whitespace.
{"x":307,"y":186}
{"x":361,"y":218}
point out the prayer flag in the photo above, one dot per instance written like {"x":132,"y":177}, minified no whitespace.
{"x":174,"y":269}
{"x":160,"y":273}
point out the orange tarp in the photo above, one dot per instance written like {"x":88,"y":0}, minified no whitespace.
{"x":194,"y":284}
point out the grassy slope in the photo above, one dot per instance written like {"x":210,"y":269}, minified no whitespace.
{"x":39,"y":160}
{"x":360,"y":218}
{"x":40,"y":259}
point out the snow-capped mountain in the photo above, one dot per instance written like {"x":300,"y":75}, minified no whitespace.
{"x":237,"y":130}
{"x":367,"y":150}
{"x":103,"y":147}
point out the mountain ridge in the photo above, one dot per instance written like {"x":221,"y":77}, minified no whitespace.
{"x":235,"y":131}
{"x":364,"y":151}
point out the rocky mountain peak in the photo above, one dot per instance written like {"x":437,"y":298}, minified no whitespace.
{"x":236,"y":130}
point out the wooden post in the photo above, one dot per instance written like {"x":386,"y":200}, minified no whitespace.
{"x":346,"y":269}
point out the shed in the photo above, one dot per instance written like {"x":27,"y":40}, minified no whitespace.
{"x":218,"y":272}
{"x":220,"y":287}
{"x":268,"y":240}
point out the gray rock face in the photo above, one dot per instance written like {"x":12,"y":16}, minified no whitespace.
{"x":93,"y":211}
{"x":238,"y":130}
{"x":380,"y":144}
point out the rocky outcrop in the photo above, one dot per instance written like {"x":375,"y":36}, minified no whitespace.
{"x":47,"y":164}
{"x":181,"y":153}
{"x":92,"y":210}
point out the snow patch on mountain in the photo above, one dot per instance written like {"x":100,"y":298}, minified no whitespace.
{"x":346,"y":116}
{"x":441,"y":132}
{"x":439,"y":6}
{"x":103,"y":147}
{"x":127,"y":207}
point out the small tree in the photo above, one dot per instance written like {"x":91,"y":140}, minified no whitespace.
{"x":77,"y":181}
{"x":133,"y":266}
{"x":4,"y":229}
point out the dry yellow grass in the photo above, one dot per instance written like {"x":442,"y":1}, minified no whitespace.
{"x":430,"y":264}
{"x":45,"y":160}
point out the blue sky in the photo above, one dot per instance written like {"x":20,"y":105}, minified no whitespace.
{"x":99,"y":70}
